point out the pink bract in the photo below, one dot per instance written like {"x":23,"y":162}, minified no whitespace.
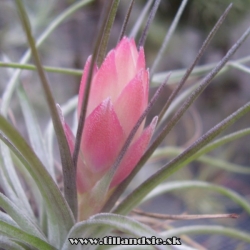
{"x":118,"y":97}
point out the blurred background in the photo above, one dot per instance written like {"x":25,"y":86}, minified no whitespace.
{"x":72,"y":42}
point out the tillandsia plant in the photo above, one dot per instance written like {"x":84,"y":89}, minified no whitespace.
{"x":79,"y":203}
{"x":118,"y":97}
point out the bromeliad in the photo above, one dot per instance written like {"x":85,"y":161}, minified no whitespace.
{"x":118,"y":97}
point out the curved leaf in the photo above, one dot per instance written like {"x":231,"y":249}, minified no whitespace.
{"x":21,"y":236}
{"x":7,"y":244}
{"x":207,"y":229}
{"x":60,"y":216}
{"x":19,"y":217}
{"x":221,"y":141}
{"x":169,"y":152}
{"x":197,"y":72}
{"x":180,"y":161}
{"x":11,"y":86}
{"x":68,"y":169}
{"x":11,"y":183}
{"x":101,"y":224}
{"x":6,"y":218}
{"x":6,"y":183}
{"x":167,"y":187}
{"x":34,"y":131}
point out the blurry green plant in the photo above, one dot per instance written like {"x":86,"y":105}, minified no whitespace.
{"x":49,"y":219}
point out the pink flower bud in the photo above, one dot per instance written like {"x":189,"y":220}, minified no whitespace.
{"x":118,"y":97}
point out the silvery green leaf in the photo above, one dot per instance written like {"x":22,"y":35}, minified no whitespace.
{"x":100,"y":225}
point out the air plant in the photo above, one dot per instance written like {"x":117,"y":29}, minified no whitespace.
{"x":109,"y":148}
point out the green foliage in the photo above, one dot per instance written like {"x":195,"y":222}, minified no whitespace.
{"x":35,"y":213}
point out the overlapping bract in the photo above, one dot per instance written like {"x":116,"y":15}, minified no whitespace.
{"x":118,"y":97}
